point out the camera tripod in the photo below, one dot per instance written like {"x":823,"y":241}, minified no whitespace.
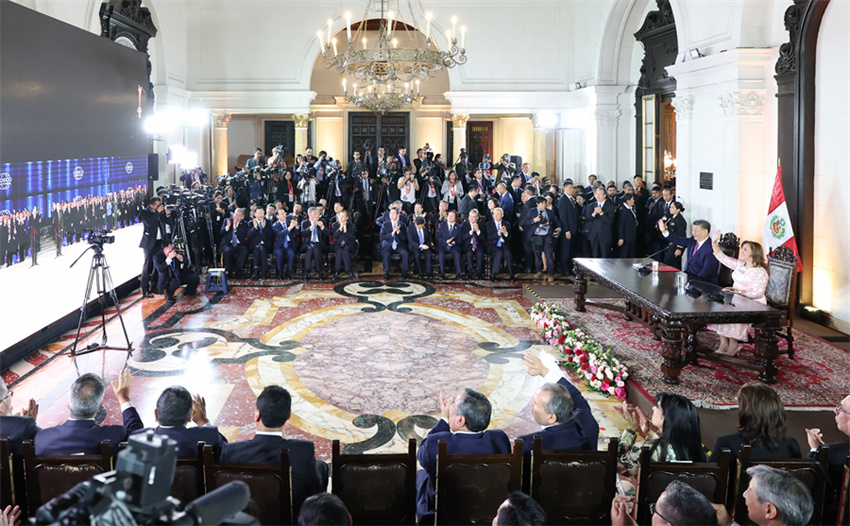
{"x":99,"y":272}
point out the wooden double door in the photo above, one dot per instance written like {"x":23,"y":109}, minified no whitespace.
{"x":368,"y":131}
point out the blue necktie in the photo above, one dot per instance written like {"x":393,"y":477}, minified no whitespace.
{"x":315,"y":234}
{"x":421,"y":238}
{"x":395,"y":243}
{"x":235,"y":239}
{"x":498,"y":228}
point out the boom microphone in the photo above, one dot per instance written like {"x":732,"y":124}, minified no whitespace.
{"x":645,"y":260}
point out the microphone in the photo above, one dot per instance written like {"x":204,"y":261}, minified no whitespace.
{"x":645,"y":260}
{"x":220,"y":503}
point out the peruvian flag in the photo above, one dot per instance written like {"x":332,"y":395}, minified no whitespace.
{"x":777,"y":228}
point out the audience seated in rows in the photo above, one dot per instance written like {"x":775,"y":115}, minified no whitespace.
{"x":761,"y":424}
{"x":678,"y":505}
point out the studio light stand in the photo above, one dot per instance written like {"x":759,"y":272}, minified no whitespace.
{"x":99,"y":272}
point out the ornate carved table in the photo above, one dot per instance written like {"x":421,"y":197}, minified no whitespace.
{"x":657,"y":301}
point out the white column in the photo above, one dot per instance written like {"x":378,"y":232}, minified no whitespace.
{"x":606,"y":143}
{"x":301,"y":120}
{"x":220,"y":121}
{"x":458,"y":133}
{"x":538,"y":161}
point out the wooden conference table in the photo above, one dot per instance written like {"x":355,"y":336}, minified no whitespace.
{"x":657,"y":301}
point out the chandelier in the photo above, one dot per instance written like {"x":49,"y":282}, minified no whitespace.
{"x":387,"y":72}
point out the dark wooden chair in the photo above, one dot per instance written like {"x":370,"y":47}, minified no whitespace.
{"x":782,"y":290}
{"x":574,"y":487}
{"x":48,"y":476}
{"x":189,"y":482}
{"x":709,"y":478}
{"x":844,"y":507}
{"x":730,"y":245}
{"x":812,"y":474}
{"x":470,"y":488}
{"x":6,"y":492}
{"x":376,"y":488}
{"x":270,"y":485}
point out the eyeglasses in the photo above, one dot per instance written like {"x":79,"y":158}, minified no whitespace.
{"x":8,"y":395}
{"x":653,"y":511}
{"x":838,"y":409}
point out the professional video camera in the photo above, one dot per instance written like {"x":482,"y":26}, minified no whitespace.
{"x":137,"y":492}
{"x":193,"y":231}
{"x":486,"y":163}
{"x":98,"y":238}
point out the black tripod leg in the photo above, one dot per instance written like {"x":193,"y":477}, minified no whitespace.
{"x":92,"y":272}
{"x":110,"y":287}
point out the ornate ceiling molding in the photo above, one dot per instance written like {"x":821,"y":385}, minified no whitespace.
{"x":787,"y":61}
{"x":459,"y":120}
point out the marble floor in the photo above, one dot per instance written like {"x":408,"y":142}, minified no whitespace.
{"x":364,"y":360}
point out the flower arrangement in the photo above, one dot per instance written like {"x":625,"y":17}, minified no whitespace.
{"x":603,"y":372}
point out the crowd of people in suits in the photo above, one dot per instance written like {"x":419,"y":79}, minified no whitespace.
{"x":672,"y":433}
{"x":520,"y":221}
{"x":67,"y":223}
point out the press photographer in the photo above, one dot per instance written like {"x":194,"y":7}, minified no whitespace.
{"x":337,"y":182}
{"x":188,"y":223}
{"x":174,"y":271}
{"x":505,"y":170}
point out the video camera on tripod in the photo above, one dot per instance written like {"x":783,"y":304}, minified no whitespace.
{"x":137,"y":492}
{"x":193,"y":230}
{"x":98,"y":238}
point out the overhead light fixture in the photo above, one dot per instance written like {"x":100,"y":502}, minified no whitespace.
{"x":694,"y":53}
{"x":575,"y":86}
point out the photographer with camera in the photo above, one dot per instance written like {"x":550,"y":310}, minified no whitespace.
{"x":309,"y":188}
{"x":408,"y":186}
{"x":174,"y":272}
{"x":505,"y":170}
{"x":463,"y":167}
{"x":234,"y":243}
{"x":363,"y":193}
{"x":261,"y":238}
{"x":337,"y":180}
{"x":545,"y":229}
{"x":257,"y":161}
{"x":153,"y":221}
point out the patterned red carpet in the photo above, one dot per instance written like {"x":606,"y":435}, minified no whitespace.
{"x":816,"y":377}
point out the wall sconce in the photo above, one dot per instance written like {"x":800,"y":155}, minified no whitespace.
{"x":694,"y":53}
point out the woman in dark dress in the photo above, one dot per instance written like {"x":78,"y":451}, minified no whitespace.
{"x":761,"y":424}
{"x":678,"y":226}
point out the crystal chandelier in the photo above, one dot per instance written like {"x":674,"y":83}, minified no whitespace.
{"x":381,"y":66}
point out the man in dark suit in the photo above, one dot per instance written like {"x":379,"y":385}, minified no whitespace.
{"x":285,"y":243}
{"x":20,"y":427}
{"x":542,"y":224}
{"x":569,"y":227}
{"x":462,"y":426}
{"x":468,"y":202}
{"x":420,"y":245}
{"x":472,"y":244}
{"x":234,"y":243}
{"x":174,"y":408}
{"x":599,"y":216}
{"x":80,"y":434}
{"x":506,"y":200}
{"x":174,"y":272}
{"x":701,"y":262}
{"x":498,"y":232}
{"x":345,"y":243}
{"x":627,"y":227}
{"x":262,"y":241}
{"x":394,"y":241}
{"x":314,"y":241}
{"x":448,"y":241}
{"x":838,"y":453}
{"x":309,"y":476}
{"x":152,"y":239}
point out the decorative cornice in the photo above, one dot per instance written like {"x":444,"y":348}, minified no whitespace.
{"x":607,"y":117}
{"x":742,"y":102}
{"x":684,"y":107}
{"x":459,"y":120}
{"x":220,"y":120}
{"x":301,"y":120}
{"x":661,"y":18}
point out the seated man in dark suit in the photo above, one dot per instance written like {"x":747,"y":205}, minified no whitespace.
{"x":173,"y":272}
{"x":314,"y":242}
{"x":498,"y":243}
{"x":309,"y":476}
{"x":838,"y":453}
{"x":448,"y":241}
{"x":420,"y":246}
{"x":469,"y":202}
{"x":80,"y":434}
{"x":19,"y":427}
{"x":394,"y":241}
{"x":234,"y":243}
{"x":701,"y":262}
{"x":472,"y":243}
{"x":462,"y":426}
{"x":174,"y":408}
{"x":562,"y":410}
{"x":345,"y":243}
{"x":285,"y":243}
{"x":262,"y":241}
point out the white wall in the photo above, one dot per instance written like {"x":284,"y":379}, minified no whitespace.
{"x":832,"y":166}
